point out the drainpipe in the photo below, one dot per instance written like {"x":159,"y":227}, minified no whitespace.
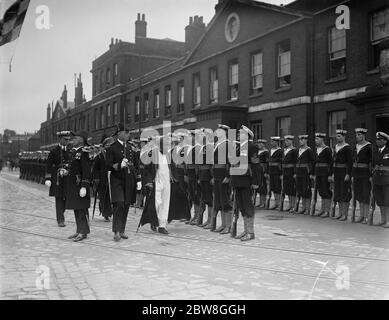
{"x":311,"y":121}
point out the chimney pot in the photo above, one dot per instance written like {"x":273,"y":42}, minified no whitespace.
{"x":143,"y":17}
{"x":190,"y":20}
{"x":138,"y":17}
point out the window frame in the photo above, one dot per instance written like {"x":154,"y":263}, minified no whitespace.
{"x":280,"y":77}
{"x":157,"y":104}
{"x":196,"y":89}
{"x":213,"y":92}
{"x":180,"y":103}
{"x":253,"y":75}
{"x":279,"y":128}
{"x":331,"y":60}
{"x":233,"y":87}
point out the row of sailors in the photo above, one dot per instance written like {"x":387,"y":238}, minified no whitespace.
{"x":32,"y":165}
{"x":360,"y":173}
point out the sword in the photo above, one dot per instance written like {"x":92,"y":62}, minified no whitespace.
{"x":109,"y":189}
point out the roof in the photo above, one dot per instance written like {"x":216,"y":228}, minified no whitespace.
{"x":312,"y":6}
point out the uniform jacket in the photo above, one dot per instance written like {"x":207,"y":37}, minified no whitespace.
{"x":362,"y":161}
{"x":123,"y":180}
{"x":263,"y":156}
{"x":275,"y":162}
{"x":251,"y":176}
{"x":324,"y":163}
{"x":381,"y":167}
{"x":221,"y":168}
{"x":205,"y":170}
{"x":57,"y":157}
{"x":79,"y":177}
{"x":289,"y":162}
{"x":343,"y":161}
{"x":305,"y":163}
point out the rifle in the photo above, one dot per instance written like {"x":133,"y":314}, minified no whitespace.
{"x":296,"y":207}
{"x":282,"y":196}
{"x":267,"y":205}
{"x":94,"y":204}
{"x":314,"y":200}
{"x":353,"y":202}
{"x":235,"y":217}
{"x":372,"y":207}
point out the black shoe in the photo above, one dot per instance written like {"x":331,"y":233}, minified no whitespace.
{"x":163,"y":231}
{"x":61,"y":225}
{"x":106,"y":219}
{"x":116,"y":237}
{"x":153,"y":228}
{"x":80,"y":237}
{"x":73,"y":236}
{"x":124,"y":236}
{"x":248,"y":237}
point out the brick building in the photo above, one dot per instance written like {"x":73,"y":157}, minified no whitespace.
{"x":278,"y":69}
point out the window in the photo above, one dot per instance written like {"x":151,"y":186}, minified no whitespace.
{"x":96,"y":120}
{"x":102,"y":118}
{"x":256,"y":128}
{"x":196,"y":90}
{"x":283,"y":65}
{"x":115,"y":73}
{"x":181,"y":97}
{"x":108,"y":114}
{"x":108,"y":76}
{"x":379,"y":32}
{"x":256,"y":73}
{"x":146,"y":107}
{"x":283,"y":126}
{"x":233,"y":80}
{"x":156,"y":104}
{"x":95,"y":85}
{"x":101,"y":81}
{"x":337,"y":53}
{"x":336,"y":121}
{"x":115,"y":112}
{"x":213,"y":85}
{"x":168,"y":101}
{"x":137,"y":109}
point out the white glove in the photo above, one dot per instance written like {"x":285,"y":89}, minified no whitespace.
{"x":124,"y":163}
{"x":139,"y":186}
{"x":83,"y":192}
{"x":48,"y":183}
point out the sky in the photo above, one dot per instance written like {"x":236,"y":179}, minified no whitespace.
{"x":44,"y":60}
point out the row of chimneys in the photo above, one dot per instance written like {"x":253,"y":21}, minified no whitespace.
{"x":79,"y":97}
{"x":193,"y":31}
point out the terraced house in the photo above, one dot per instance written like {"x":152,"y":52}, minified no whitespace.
{"x":278,"y":69}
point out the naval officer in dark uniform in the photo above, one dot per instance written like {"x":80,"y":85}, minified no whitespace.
{"x":123,"y":165}
{"x":78,"y":185}
{"x":275,"y":171}
{"x":381,"y":177}
{"x":56,"y":174}
{"x":263,"y":156}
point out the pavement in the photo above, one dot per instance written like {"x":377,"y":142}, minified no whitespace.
{"x":292,"y":257}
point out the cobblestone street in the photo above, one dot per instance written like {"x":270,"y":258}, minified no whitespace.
{"x":292,"y":257}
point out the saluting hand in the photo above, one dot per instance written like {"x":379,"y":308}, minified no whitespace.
{"x":347,"y":178}
{"x":48,"y":183}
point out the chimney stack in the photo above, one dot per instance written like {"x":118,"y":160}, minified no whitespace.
{"x":112,"y":44}
{"x":65,"y":97}
{"x":140,"y":27}
{"x":48,"y":112}
{"x":78,"y":95}
{"x":194,"y":31}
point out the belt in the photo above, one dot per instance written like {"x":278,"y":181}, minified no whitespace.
{"x":220,"y":166}
{"x":381,"y":168}
{"x":181,"y":166}
{"x":321,"y":165}
{"x":302,"y":165}
{"x":340,"y":165}
{"x":288,"y":165}
{"x":191,"y":166}
{"x":360,"y":165}
{"x":205,"y":167}
{"x":274,"y":164}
